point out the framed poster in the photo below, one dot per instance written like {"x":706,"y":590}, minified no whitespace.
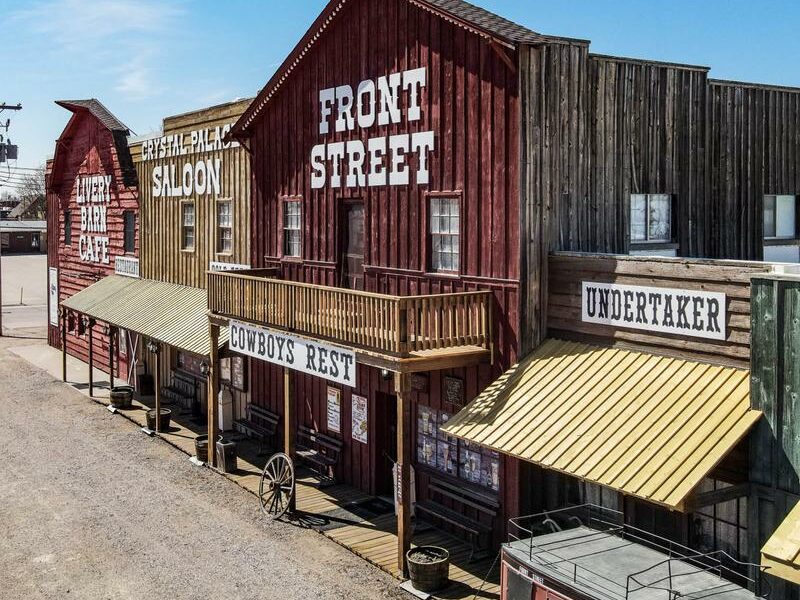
{"x":238,"y":373}
{"x":53,"y":291}
{"x":359,"y":419}
{"x":334,"y":409}
{"x":453,"y":390}
{"x":225,"y":370}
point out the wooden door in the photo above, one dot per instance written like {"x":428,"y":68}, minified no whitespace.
{"x":352,"y":245}
{"x":385,"y":442}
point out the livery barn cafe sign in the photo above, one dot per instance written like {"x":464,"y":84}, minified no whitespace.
{"x":93,"y":196}
{"x":307,"y":356}
{"x":377,"y":160}
{"x":681,"y":312}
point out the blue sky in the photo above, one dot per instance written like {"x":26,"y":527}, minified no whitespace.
{"x":146,"y":59}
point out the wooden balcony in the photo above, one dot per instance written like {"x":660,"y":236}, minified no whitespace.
{"x":391,"y":326}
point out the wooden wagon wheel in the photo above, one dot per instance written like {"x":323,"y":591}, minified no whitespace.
{"x":276,"y":489}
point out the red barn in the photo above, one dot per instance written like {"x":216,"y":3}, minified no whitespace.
{"x":92,"y":199}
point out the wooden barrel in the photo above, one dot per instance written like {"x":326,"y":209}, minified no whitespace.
{"x":121,"y":396}
{"x":165,"y":416}
{"x":428,"y":568}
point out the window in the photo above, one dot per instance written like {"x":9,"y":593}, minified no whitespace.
{"x":292,"y":213}
{"x":458,"y":458}
{"x":444,"y":228}
{"x":187,"y":226}
{"x":779,"y":217}
{"x":67,"y":227}
{"x":651,"y":218}
{"x":720,"y":526}
{"x":224,"y":227}
{"x":129,"y":219}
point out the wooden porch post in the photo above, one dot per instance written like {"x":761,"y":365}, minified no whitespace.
{"x":111,"y":356}
{"x":157,"y":383}
{"x":213,"y":392}
{"x":288,"y":420}
{"x":404,"y":531}
{"x":89,"y":324}
{"x":63,"y":313}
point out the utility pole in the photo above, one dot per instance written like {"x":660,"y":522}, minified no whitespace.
{"x":4,"y":152}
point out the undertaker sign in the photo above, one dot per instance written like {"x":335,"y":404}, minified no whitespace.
{"x":682,"y":312}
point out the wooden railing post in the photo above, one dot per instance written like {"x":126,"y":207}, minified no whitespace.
{"x":212,"y":391}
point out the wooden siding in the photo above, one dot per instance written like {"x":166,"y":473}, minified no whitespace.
{"x":595,"y":130}
{"x":775,"y":442}
{"x":85,"y":148}
{"x":471,"y":104}
{"x":753,"y":145}
{"x":567,"y":271}
{"x":162,"y":257}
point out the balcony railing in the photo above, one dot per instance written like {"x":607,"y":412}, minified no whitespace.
{"x":395,"y":325}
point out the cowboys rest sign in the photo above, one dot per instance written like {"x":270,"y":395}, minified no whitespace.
{"x":333,"y":363}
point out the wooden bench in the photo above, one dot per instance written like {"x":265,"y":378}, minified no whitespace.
{"x":259,"y":423}
{"x":481,"y":503}
{"x":319,"y":451}
{"x":182,"y":390}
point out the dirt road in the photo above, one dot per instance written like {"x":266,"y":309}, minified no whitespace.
{"x":92,"y":508}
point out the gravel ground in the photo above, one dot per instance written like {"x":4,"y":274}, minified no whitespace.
{"x":92,"y":508}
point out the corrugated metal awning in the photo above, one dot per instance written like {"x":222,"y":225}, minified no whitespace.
{"x":781,"y":553}
{"x":166,"y":312}
{"x":649,"y":426}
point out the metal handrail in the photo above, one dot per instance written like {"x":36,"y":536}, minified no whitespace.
{"x":608,"y":521}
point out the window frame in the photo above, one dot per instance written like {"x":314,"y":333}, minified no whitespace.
{"x":428,"y":254}
{"x":777,"y":240}
{"x":284,"y":256}
{"x":68,"y":227}
{"x":182,"y":231}
{"x":648,"y":242}
{"x":125,"y":215}
{"x":218,"y":228}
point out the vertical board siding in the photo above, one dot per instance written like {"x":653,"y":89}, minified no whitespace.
{"x":568,"y":271}
{"x":162,"y":258}
{"x":753,"y":142}
{"x":86,"y":148}
{"x":471,"y":102}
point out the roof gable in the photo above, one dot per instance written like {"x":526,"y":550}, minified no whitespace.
{"x":463,"y":14}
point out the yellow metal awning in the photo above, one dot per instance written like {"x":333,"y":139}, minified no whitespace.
{"x":649,"y":426}
{"x":781,"y":553}
{"x":166,"y":312}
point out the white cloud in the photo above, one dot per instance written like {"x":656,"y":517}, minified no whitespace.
{"x":120,"y":39}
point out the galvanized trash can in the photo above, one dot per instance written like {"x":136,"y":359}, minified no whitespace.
{"x":201,"y":448}
{"x":226,"y":455}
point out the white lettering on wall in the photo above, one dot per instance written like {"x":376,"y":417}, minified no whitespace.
{"x":93,"y":195}
{"x":196,"y":177}
{"x":375,"y":161}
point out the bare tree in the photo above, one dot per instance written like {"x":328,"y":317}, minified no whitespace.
{"x":31,"y":192}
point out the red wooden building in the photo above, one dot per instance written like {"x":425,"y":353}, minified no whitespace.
{"x":92,"y":208}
